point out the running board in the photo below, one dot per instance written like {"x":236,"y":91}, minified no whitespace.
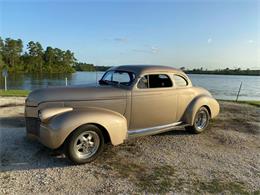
{"x":154,"y":130}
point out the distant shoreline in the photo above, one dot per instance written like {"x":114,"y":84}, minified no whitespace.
{"x":239,"y":73}
{"x":84,"y":67}
{"x":81,"y":67}
{"x":226,"y":71}
{"x":187,"y":72}
{"x":234,"y":74}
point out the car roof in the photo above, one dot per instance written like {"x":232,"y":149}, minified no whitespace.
{"x":142,"y":69}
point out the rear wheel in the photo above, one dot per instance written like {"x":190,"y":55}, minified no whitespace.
{"x":85,"y":144}
{"x":201,"y":121}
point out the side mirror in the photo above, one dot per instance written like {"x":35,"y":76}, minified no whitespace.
{"x":102,"y":82}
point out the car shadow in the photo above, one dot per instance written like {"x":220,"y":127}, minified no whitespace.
{"x":176,"y":132}
{"x":15,"y":121}
{"x":20,"y":153}
{"x":28,"y":154}
{"x":17,"y":152}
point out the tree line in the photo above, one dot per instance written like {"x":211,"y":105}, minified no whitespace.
{"x":34,"y":58}
{"x":80,"y":66}
{"x":54,"y":60}
{"x":226,"y":71}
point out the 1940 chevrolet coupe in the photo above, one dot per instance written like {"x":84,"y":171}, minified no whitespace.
{"x":129,"y":101}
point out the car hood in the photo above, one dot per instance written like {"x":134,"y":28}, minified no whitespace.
{"x":75,"y":93}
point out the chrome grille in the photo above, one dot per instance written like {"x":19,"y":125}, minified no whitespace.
{"x":32,"y":125}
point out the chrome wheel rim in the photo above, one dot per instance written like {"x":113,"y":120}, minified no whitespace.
{"x":86,"y":144}
{"x":201,"y":120}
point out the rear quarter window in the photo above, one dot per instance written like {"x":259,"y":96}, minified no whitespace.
{"x":180,"y":81}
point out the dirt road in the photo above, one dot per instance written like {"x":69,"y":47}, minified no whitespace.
{"x":226,"y":158}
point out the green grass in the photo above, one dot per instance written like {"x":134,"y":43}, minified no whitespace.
{"x":14,"y":93}
{"x":250,"y":102}
{"x":217,"y":186}
{"x":157,"y":180}
{"x":254,"y":103}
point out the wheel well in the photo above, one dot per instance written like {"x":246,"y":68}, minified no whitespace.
{"x":104,"y":132}
{"x":207,"y":109}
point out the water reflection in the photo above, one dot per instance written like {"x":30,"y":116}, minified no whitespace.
{"x":35,"y":81}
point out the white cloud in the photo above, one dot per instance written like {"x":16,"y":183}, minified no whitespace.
{"x":155,"y":49}
{"x":250,"y":41}
{"x":209,"y":40}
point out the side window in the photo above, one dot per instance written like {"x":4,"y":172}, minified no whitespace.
{"x":159,"y":80}
{"x":155,"y":81}
{"x":180,"y":81}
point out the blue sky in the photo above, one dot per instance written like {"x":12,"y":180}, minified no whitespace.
{"x":209,"y":34}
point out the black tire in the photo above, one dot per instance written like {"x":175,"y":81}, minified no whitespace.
{"x":195,"y":128}
{"x":76,"y":148}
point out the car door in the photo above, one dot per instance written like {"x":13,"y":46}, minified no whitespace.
{"x":154,"y":102}
{"x":184,"y":92}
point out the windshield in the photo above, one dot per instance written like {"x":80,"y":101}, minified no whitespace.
{"x":118,"y":77}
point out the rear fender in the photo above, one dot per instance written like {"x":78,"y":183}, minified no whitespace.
{"x":203,"y":100}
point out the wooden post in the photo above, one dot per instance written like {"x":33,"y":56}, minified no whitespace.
{"x":96,"y":76}
{"x":5,"y":84}
{"x":239,"y":91}
{"x":5,"y":74}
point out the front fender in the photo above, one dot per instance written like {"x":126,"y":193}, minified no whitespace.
{"x":202,"y":100}
{"x":63,"y":124}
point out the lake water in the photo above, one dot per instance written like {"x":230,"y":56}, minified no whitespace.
{"x":221,"y":86}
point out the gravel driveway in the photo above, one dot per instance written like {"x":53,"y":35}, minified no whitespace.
{"x":224,"y":159}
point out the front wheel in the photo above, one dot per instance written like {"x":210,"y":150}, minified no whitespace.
{"x":85,"y":144}
{"x":201,"y":121}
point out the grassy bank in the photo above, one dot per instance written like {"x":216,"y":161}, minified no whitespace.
{"x":14,"y":93}
{"x":254,"y":103}
{"x":250,"y":102}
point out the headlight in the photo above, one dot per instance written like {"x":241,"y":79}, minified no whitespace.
{"x":47,"y":113}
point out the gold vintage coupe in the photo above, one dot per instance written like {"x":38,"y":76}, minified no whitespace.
{"x":129,"y":101}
